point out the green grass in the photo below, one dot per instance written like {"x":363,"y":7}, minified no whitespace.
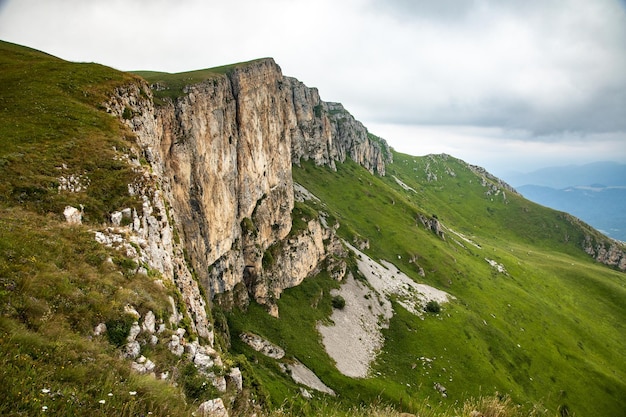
{"x":52,"y":126}
{"x":56,"y":285}
{"x":571,"y":309}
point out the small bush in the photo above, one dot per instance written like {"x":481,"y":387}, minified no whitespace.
{"x":127,"y":114}
{"x":338,"y":302}
{"x":196,"y":386}
{"x":433,"y":307}
{"x":118,"y":330}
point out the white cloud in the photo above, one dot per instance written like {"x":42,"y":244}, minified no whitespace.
{"x":554,"y":70}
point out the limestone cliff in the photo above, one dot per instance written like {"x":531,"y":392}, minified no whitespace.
{"x":223,"y":151}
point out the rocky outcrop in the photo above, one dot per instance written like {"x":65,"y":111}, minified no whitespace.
{"x":608,"y":252}
{"x":222,"y":153}
{"x":326,"y":133}
{"x":298,"y":257}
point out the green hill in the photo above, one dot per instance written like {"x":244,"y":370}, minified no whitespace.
{"x":548,"y":331}
{"x":535,"y":321}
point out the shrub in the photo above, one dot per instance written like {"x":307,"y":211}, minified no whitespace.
{"x":118,"y":330}
{"x":432,"y":307}
{"x":338,"y":302}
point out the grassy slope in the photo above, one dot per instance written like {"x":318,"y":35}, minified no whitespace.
{"x":56,"y":283}
{"x":565,"y":312}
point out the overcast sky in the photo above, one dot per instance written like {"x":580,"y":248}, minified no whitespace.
{"x":509,"y":85}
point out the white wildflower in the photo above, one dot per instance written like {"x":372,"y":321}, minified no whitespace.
{"x":132,"y":392}
{"x":102,"y":401}
{"x":45,"y":390}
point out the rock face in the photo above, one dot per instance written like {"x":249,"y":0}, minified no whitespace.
{"x":609,"y":252}
{"x":223,"y":152}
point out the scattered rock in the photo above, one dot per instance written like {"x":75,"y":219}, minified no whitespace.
{"x":116,"y":218}
{"x":219,"y":382}
{"x":212,"y":408}
{"x":134,"y":332}
{"x":203,"y":359}
{"x":73,"y":215}
{"x":128,"y":309}
{"x":175,"y":347}
{"x":306,"y":394}
{"x":235,"y":378}
{"x":441,"y":389}
{"x":303,"y":375}
{"x":149,"y":323}
{"x":132,"y":350}
{"x":100,"y":329}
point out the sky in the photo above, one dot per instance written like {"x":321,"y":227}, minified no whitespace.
{"x":511,"y":85}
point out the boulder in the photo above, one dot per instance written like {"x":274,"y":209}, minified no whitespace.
{"x":73,"y":215}
{"x":212,"y":408}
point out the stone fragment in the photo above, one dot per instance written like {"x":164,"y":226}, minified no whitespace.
{"x":175,"y":347}
{"x":73,"y":215}
{"x":212,"y":408}
{"x":128,"y":309}
{"x":149,"y":322}
{"x":116,"y":218}
{"x":100,"y":329}
{"x":132,"y":350}
{"x":134,"y":332}
{"x":235,"y":378}
{"x":261,"y":345}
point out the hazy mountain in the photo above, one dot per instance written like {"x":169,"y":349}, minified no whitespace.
{"x":605,"y":173}
{"x":596,"y":193}
{"x":602,"y":207}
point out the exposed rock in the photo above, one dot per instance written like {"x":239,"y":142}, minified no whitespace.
{"x":218,"y":382}
{"x":116,"y":218}
{"x":303,"y":375}
{"x":132,"y":350}
{"x":149,"y":322}
{"x":441,"y":389}
{"x":73,"y":215}
{"x":134,"y":332}
{"x":299,"y":257}
{"x":259,"y":344}
{"x":100,"y":329}
{"x":175,"y":346}
{"x":204,"y":358}
{"x":232,"y":200}
{"x":355,"y":336}
{"x":235,"y":378}
{"x":131,"y":311}
{"x":306,"y":394}
{"x":212,"y":408}
{"x":495,"y":265}
{"x":609,"y":252}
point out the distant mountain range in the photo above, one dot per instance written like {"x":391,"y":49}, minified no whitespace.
{"x":596,"y":193}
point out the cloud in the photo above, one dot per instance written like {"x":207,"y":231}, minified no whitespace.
{"x":552,"y":69}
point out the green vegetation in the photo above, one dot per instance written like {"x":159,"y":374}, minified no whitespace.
{"x":433,"y":307}
{"x":52,"y":128}
{"x":338,"y":302}
{"x":527,"y":332}
{"x":56,"y":282}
